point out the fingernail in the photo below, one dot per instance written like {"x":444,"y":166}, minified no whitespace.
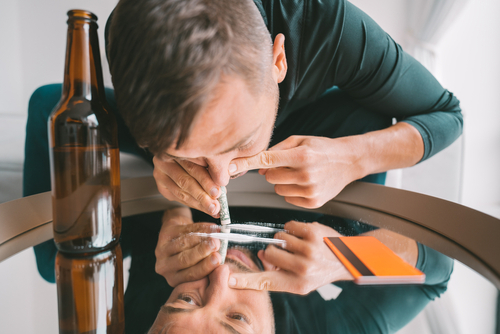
{"x":232,"y":168}
{"x":214,"y":192}
{"x":211,"y":209}
{"x":232,"y":281}
{"x":212,"y":244}
{"x":214,"y":259}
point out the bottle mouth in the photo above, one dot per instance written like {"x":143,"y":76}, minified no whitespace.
{"x":82,"y":14}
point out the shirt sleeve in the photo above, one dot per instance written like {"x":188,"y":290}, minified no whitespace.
{"x":373,"y":69}
{"x":373,"y":309}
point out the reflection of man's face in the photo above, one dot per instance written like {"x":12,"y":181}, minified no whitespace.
{"x":210,"y":306}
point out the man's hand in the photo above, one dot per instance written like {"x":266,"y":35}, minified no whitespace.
{"x":308,"y":171}
{"x":305,"y":265}
{"x":188,"y":183}
{"x":181,"y":257}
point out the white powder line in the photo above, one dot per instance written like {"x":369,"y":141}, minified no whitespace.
{"x":251,"y":228}
{"x":241,"y":238}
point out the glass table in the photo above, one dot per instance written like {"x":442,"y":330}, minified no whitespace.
{"x":442,"y":229}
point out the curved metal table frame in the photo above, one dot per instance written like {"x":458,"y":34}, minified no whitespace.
{"x":460,"y":232}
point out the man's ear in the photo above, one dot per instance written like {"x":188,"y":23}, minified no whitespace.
{"x":279,"y":58}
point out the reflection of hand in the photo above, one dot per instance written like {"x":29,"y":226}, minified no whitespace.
{"x":308,"y":171}
{"x":181,"y":257}
{"x":188,"y":183}
{"x":305,"y":265}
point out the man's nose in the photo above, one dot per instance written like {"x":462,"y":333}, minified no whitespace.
{"x":218,"y":282}
{"x":219,"y":172}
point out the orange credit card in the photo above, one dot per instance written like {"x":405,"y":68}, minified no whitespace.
{"x":372,"y":262}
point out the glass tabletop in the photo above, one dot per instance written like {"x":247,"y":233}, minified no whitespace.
{"x":119,"y":289}
{"x":91,"y":298}
{"x":208,"y":303}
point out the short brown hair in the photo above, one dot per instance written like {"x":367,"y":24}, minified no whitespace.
{"x":166,"y":57}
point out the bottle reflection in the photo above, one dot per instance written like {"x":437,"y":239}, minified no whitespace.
{"x":90,"y":293}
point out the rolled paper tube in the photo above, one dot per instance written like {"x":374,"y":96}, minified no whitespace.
{"x":225,"y":219}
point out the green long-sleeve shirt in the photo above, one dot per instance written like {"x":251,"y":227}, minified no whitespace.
{"x":333,"y":43}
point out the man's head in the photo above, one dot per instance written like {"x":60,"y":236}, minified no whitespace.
{"x":169,"y":58}
{"x":210,"y":306}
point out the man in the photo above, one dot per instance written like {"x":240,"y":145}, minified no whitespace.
{"x":198,"y":84}
{"x":206,"y":87}
{"x":202,"y":84}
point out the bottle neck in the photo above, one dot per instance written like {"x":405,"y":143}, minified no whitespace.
{"x":82,"y":73}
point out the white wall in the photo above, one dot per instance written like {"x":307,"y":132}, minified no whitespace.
{"x":469,"y":57}
{"x":11,"y":89}
{"x":468,"y":61}
{"x":389,"y":14}
{"x":33,"y":39}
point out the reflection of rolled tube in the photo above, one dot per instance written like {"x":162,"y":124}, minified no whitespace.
{"x":223,"y":250}
{"x":223,"y":245}
{"x":90,"y":293}
{"x":225,"y":220}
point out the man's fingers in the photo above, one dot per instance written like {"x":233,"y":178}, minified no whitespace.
{"x":310,"y":231}
{"x":308,"y":203}
{"x":265,"y":159}
{"x":176,"y":184}
{"x":280,"y":281}
{"x":268,"y":266}
{"x":177,"y":238}
{"x":300,"y":230}
{"x":197,"y":271}
{"x":294,"y":190}
{"x":282,"y":175}
{"x":280,"y":155}
{"x":290,"y":142}
{"x":285,"y":260}
{"x":203,"y":177}
{"x":191,"y":256}
{"x":188,"y":186}
{"x":208,"y":206}
{"x":266,"y":280}
{"x":293,"y":243}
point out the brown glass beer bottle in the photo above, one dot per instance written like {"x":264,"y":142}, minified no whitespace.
{"x":90,"y":293}
{"x":83,"y":145}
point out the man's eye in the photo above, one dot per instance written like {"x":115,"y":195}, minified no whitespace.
{"x":187,"y":299}
{"x":239,"y":317}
